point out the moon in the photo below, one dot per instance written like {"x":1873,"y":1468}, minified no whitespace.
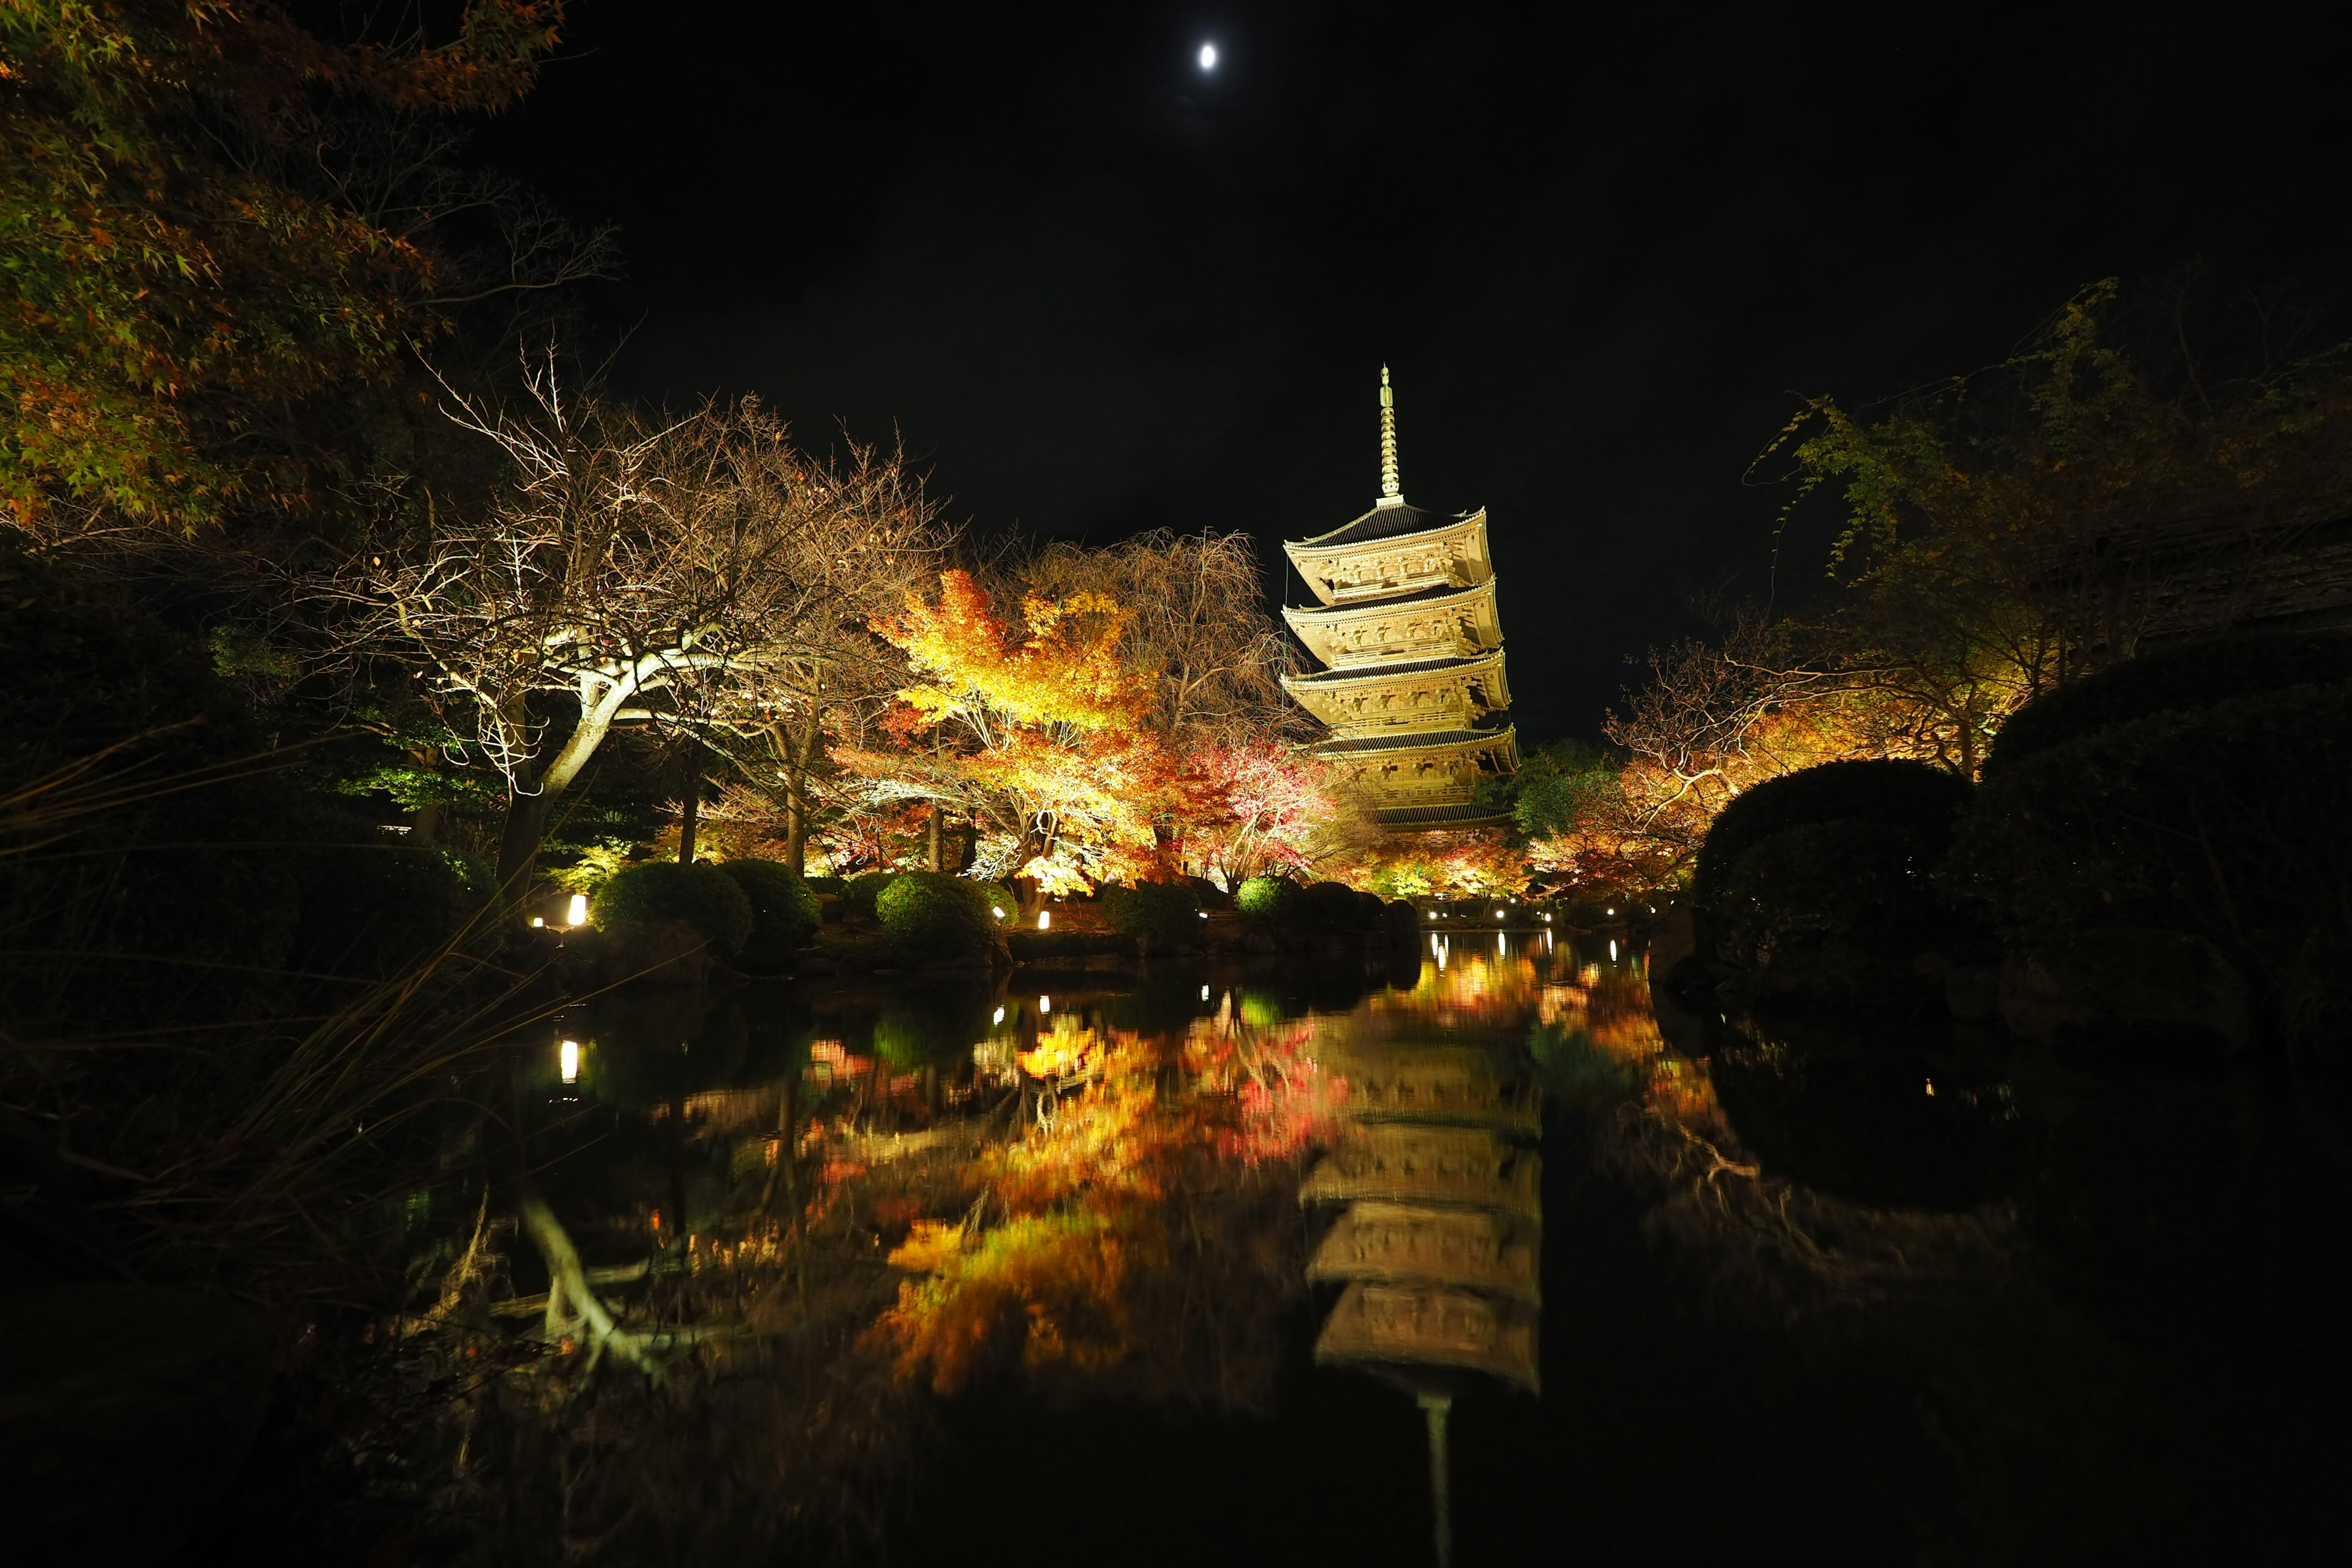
{"x":1208,"y":57}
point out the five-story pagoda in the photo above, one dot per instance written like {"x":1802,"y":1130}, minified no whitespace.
{"x":1413,"y":687}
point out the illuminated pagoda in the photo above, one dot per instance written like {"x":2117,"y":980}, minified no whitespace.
{"x":1412,"y":686}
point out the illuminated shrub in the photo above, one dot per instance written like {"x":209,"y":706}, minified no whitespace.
{"x":660,"y":891}
{"x":785,"y":912}
{"x":2196,"y":675}
{"x":1000,"y":898}
{"x":1269,"y":900}
{"x":1923,"y":801}
{"x":860,"y":892}
{"x":936,"y":913}
{"x":1164,"y":913}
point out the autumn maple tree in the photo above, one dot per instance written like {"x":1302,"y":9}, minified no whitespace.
{"x":1035,"y":730}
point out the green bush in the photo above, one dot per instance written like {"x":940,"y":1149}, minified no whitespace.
{"x":784,"y":913}
{"x":936,"y":913}
{"x":1269,"y":900}
{"x":659,"y":891}
{"x":999,"y":897}
{"x":861,"y":892}
{"x":2173,"y":680}
{"x":1401,"y":918}
{"x":1167,"y":914}
{"x":2225,"y":822}
{"x":1924,"y":800}
{"x":821,"y":885}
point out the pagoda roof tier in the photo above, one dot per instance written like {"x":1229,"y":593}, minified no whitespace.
{"x":1437,"y":623}
{"x":1418,"y":740}
{"x":1423,"y":694}
{"x":1436,"y":818}
{"x":1384,"y":522}
{"x":1358,"y":673}
{"x":1393,"y":550}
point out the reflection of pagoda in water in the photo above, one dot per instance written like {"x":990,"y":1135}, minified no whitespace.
{"x":1413,"y":687}
{"x":1439,"y":1248}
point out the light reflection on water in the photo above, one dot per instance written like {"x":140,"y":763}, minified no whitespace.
{"x":831,"y":1219}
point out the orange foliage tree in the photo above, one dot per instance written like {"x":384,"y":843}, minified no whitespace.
{"x":1041,"y":738}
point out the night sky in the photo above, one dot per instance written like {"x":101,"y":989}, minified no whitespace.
{"x":1603,"y":251}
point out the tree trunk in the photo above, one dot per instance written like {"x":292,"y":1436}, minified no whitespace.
{"x":938,"y":845}
{"x":689,"y":806}
{"x":796,"y":823}
{"x":518,"y":838}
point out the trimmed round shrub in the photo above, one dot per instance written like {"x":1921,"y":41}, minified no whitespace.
{"x":1831,"y":912}
{"x":658,"y":891}
{"x":999,"y":897}
{"x":1401,"y":918}
{"x":859,"y":894}
{"x":1208,"y":895}
{"x":825,"y":885}
{"x":785,"y":912}
{"x":936,"y":913}
{"x":2172,"y":679}
{"x":2225,"y":822}
{"x":1335,"y":906}
{"x":1923,"y":800}
{"x":1164,"y":913}
{"x":1270,"y":900}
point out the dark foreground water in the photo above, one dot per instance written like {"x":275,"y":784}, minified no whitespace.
{"x":1020,"y":1273}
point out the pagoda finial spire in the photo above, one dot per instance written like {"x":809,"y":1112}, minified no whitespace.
{"x":1392,"y":493}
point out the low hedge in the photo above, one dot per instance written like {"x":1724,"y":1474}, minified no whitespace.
{"x":1165,"y":913}
{"x":785,"y":912}
{"x":658,"y":891}
{"x":1924,"y":800}
{"x":826,"y":886}
{"x":936,"y":913}
{"x":2173,"y":680}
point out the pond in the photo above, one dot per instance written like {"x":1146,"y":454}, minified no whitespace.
{"x":1476,"y":1253}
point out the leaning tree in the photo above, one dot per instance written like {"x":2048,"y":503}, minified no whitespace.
{"x":674,"y":572}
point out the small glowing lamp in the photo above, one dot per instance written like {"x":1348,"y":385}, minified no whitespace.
{"x":1044,"y":1004}
{"x":1204,"y":994}
{"x":567,"y":1057}
{"x":1613,"y":950}
{"x":1044,"y":920}
{"x":578,"y":913}
{"x":1610,"y":912}
{"x":999,"y":1015}
{"x":997,"y":912}
{"x":536,"y":922}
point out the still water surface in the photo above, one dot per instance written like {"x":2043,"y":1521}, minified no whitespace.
{"x":1316,"y":1266}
